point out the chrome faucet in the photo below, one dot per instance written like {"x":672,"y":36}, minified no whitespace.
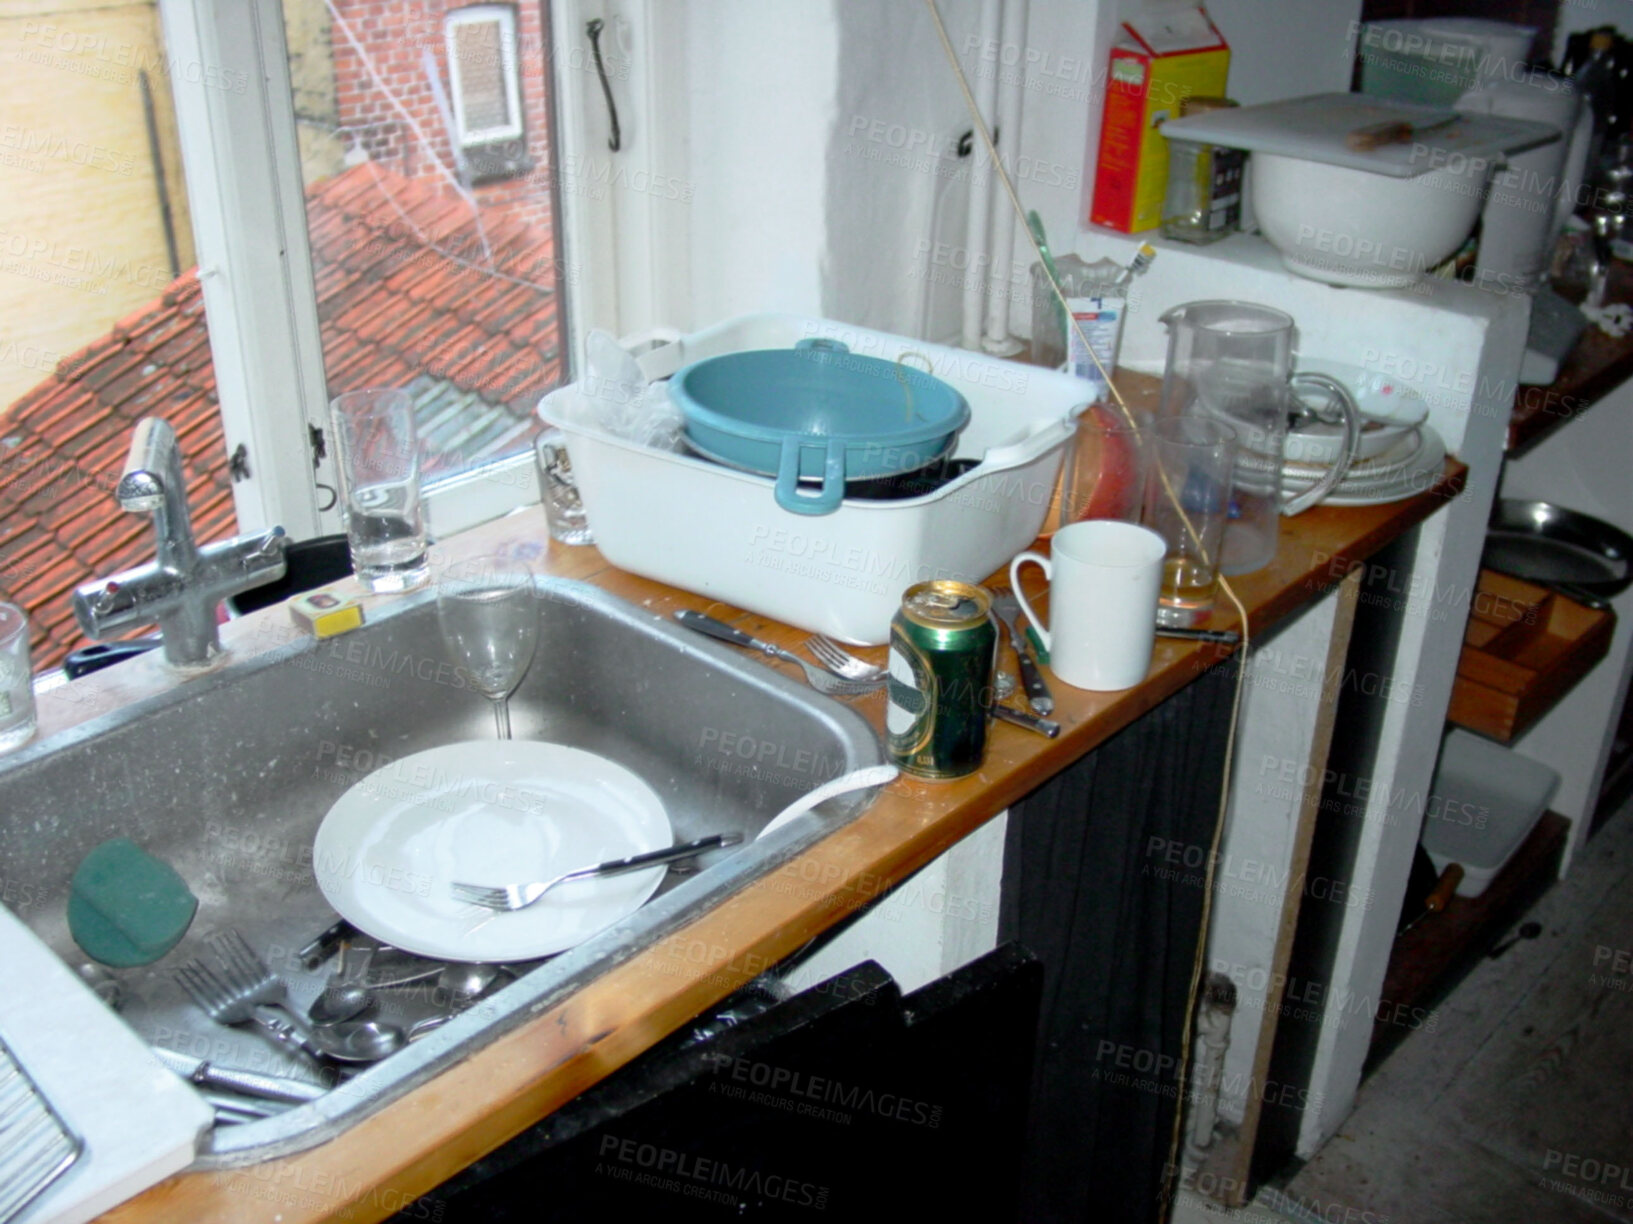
{"x":181,"y":588}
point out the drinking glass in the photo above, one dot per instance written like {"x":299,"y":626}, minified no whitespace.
{"x":1186,"y":502}
{"x":378,"y":457}
{"x":1105,"y":470}
{"x":487,"y":607}
{"x":563,"y":507}
{"x":16,"y":679}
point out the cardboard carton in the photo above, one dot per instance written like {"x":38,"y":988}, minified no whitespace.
{"x":1159,"y":60}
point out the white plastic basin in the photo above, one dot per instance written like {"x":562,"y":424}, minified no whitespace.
{"x":1352,"y":227}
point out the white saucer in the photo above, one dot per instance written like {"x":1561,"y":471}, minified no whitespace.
{"x":488,"y":812}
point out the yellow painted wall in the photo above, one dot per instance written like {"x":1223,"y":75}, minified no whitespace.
{"x":312,"y":79}
{"x":81,"y":240}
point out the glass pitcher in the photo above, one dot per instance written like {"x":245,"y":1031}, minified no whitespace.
{"x":1233,"y":361}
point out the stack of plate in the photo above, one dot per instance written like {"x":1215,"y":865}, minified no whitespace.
{"x":1409,"y":464}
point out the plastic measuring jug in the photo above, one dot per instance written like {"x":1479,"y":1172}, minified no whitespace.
{"x":1233,"y":361}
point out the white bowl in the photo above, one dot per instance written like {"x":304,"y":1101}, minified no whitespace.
{"x":1352,"y":227}
{"x":1379,"y":396}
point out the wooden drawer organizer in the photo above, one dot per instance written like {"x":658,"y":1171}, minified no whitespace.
{"x":1525,"y":647}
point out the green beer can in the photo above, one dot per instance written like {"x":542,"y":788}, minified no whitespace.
{"x":943,"y":647}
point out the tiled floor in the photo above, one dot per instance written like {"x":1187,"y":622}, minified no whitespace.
{"x":1518,"y":1107}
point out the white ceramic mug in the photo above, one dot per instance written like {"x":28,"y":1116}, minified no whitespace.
{"x":1103,"y":583}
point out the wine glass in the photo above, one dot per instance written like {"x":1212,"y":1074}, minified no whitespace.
{"x":486,"y":607}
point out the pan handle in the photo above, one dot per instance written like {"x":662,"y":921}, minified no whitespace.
{"x":827,"y":499}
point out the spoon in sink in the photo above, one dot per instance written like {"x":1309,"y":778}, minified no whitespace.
{"x":463,"y":982}
{"x":344,"y":997}
{"x":358,"y":1040}
{"x":857,"y":779}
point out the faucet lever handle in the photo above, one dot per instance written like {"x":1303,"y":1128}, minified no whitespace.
{"x":271,"y":544}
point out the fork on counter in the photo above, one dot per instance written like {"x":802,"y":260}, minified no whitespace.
{"x":243,"y":989}
{"x":821,"y":679}
{"x":842,"y":662}
{"x":507,"y":897}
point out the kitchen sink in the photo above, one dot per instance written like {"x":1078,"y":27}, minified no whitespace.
{"x":228,"y":775}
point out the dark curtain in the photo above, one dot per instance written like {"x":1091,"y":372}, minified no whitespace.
{"x":1103,"y":870}
{"x":847,"y":1101}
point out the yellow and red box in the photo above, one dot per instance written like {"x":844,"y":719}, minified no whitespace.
{"x":1157,"y":62}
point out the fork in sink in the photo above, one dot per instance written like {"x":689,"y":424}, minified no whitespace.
{"x":505,"y":897}
{"x":244,"y":989}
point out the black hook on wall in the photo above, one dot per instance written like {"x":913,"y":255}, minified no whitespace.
{"x":593,"y":29}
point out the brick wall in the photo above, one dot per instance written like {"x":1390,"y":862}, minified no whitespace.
{"x":387,"y":109}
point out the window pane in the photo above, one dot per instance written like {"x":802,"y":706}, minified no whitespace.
{"x":480,"y":47}
{"x":436,"y":268}
{"x":101,"y":319}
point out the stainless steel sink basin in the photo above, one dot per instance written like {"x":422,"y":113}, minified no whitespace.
{"x":228,"y":776}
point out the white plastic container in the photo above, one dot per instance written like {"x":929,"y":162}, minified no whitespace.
{"x":710,"y":529}
{"x":1434,"y":60}
{"x":1484,"y":802}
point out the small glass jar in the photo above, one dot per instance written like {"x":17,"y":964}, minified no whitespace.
{"x":1203,"y":202}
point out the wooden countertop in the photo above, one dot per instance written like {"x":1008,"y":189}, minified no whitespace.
{"x":1596,"y":366}
{"x":389,"y":1159}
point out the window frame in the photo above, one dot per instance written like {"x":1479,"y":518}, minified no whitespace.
{"x":510,"y":72}
{"x":247,"y":197}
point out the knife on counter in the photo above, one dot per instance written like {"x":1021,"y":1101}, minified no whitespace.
{"x":1042,"y":726}
{"x":1223,"y":637}
{"x":1008,"y":609}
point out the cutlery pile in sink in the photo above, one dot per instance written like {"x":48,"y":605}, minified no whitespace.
{"x":377,"y":1000}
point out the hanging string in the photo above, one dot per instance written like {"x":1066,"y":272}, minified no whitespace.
{"x":1170,"y":1166}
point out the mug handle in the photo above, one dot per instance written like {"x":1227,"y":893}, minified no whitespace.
{"x":1350,"y":418}
{"x":1015,"y":585}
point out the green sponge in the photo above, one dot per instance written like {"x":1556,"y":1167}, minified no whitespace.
{"x":126,"y":907}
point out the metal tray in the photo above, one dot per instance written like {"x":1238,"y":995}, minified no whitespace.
{"x":38,"y":1145}
{"x":1575,"y":554}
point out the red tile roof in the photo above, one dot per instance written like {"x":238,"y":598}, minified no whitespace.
{"x":407,"y":294}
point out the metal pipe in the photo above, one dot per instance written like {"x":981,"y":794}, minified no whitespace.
{"x":1213,"y":1038}
{"x":976,"y":245}
{"x":998,"y":339}
{"x":156,"y":155}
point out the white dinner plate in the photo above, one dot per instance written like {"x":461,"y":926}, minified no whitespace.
{"x":1412,"y":450}
{"x":488,"y":812}
{"x":1426,"y":466}
{"x":1401,"y":453}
